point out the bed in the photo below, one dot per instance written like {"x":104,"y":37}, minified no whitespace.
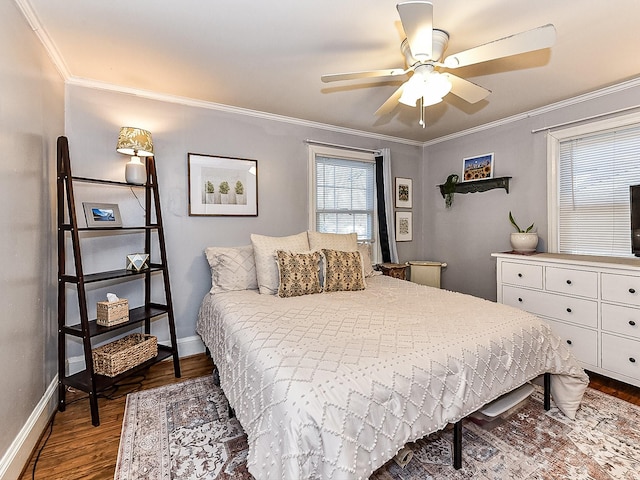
{"x":332,"y":385}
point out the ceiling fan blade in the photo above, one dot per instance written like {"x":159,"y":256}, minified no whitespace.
{"x":417,"y":21}
{"x":335,"y":77}
{"x":466,"y":90}
{"x":391,"y":102}
{"x":535,"y":39}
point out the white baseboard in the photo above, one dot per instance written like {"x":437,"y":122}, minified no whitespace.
{"x":19,"y":451}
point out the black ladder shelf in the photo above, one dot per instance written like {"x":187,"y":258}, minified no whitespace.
{"x":68,"y":230}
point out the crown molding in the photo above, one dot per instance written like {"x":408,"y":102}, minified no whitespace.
{"x":603,"y":92}
{"x":191,"y":102}
{"x":34,"y":22}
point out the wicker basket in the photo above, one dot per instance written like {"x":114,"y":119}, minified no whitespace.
{"x":112,"y":313}
{"x":116,"y":357}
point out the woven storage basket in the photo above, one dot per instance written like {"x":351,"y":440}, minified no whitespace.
{"x":112,"y":313}
{"x":116,"y":357}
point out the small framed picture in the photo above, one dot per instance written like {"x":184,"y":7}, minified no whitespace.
{"x":102,"y":215}
{"x":222,"y":186}
{"x":477,"y":168}
{"x":404,"y":192}
{"x":404,"y":228}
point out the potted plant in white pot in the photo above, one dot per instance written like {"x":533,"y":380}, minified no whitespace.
{"x":523,"y":241}
{"x":224,"y":192}
{"x":239,"y":193}
{"x":209,"y":189}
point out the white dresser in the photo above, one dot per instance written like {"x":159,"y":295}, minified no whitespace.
{"x":593,"y":303}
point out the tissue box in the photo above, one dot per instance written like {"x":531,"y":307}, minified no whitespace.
{"x":113,"y":313}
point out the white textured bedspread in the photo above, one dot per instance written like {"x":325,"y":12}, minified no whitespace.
{"x":332,"y":385}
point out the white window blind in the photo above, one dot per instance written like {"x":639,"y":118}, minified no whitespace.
{"x":595,"y":172}
{"x":345,"y":196}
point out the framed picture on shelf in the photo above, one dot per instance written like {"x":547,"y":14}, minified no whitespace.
{"x":404,"y":227}
{"x":477,"y":168}
{"x":404,"y":192}
{"x":102,"y":215}
{"x":222,"y":186}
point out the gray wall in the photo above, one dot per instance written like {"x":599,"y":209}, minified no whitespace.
{"x":31,"y":116}
{"x":93,"y":120}
{"x":477,"y":224}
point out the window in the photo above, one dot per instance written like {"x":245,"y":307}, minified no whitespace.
{"x":342,"y":187}
{"x":592,"y":167}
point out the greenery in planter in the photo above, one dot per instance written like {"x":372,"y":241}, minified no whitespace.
{"x":239,"y":188}
{"x":513,"y":222}
{"x":209,"y":187}
{"x":224,"y":188}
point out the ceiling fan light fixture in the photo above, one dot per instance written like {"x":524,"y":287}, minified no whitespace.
{"x":431,"y":86}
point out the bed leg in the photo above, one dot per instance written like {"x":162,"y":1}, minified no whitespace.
{"x":547,"y":391}
{"x":457,"y":445}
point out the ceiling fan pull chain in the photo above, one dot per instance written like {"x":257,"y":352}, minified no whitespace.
{"x":421,"y":122}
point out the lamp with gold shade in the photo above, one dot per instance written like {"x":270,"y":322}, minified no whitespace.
{"x":137,"y":143}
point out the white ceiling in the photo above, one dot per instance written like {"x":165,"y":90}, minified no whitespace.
{"x":268,"y":56}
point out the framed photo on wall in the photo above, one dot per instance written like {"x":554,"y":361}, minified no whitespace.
{"x":404,"y":227}
{"x":404,"y":192}
{"x":222,"y":186}
{"x":102,"y":215}
{"x":477,"y":168}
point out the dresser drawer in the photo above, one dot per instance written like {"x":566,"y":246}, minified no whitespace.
{"x":621,"y":355}
{"x":522,"y":274}
{"x":621,"y":288}
{"x":575,"y":310}
{"x":622,"y":320}
{"x":572,"y":282}
{"x":583,"y":343}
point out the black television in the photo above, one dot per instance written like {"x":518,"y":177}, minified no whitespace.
{"x":635,"y":219}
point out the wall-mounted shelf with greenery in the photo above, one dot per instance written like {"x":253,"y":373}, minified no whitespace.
{"x":479,"y":185}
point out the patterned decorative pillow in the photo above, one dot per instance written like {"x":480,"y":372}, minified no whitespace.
{"x":232,"y":268}
{"x":264,"y":251}
{"x":345,"y":242}
{"x":343,"y":271}
{"x":299,"y":274}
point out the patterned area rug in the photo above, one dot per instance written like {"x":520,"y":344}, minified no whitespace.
{"x":183,"y":431}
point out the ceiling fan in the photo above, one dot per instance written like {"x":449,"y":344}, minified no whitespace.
{"x":423,"y":51}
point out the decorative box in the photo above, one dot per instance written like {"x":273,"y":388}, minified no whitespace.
{"x":112,"y":313}
{"x":137,"y":261}
{"x":121,"y":355}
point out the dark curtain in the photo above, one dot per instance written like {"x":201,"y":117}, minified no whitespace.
{"x":382,"y":217}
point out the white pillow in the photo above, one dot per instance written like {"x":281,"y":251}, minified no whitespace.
{"x":264,"y":251}
{"x":343,"y":242}
{"x":367,"y":264}
{"x":232,"y":268}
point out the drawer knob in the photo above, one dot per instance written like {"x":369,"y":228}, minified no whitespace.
{"x":632,"y":290}
{"x":568,"y":310}
{"x":520,"y":275}
{"x":632,"y":360}
{"x":569,"y":342}
{"x":632,"y":323}
{"x":520,"y":299}
{"x":568,"y":282}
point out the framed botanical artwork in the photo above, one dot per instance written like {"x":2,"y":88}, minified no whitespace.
{"x":477,"y":168}
{"x":102,"y":215}
{"x":222,"y":186}
{"x":404,"y":192}
{"x":404,"y":227}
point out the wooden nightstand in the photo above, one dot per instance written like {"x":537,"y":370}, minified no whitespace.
{"x":396,"y":270}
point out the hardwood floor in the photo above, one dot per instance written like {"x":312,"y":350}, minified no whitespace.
{"x":78,"y":450}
